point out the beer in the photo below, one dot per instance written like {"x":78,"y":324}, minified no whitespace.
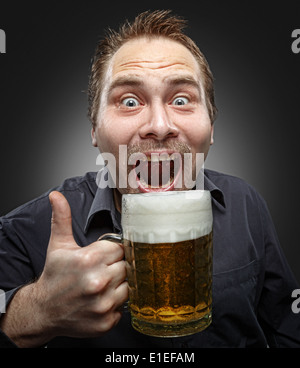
{"x":168,"y":251}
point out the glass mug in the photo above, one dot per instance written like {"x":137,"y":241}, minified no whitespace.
{"x":167,"y":239}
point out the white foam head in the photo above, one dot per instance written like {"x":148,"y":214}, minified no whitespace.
{"x":166,"y":217}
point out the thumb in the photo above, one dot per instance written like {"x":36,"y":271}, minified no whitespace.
{"x":61,"y":221}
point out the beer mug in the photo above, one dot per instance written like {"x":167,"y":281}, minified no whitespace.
{"x":167,"y":239}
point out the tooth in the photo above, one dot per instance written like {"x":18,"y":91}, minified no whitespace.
{"x":154,"y":158}
{"x":164,"y":157}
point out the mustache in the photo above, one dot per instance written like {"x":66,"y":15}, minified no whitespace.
{"x":152,"y":145}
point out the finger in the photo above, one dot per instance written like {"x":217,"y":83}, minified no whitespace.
{"x":117,"y":273}
{"x":110,"y":252}
{"x":121,"y":295}
{"x":61,"y":222}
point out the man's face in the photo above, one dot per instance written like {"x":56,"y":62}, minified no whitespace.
{"x":153,"y":103}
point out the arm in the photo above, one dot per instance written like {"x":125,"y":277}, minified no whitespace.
{"x":281,"y":325}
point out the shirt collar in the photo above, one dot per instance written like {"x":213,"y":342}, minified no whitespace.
{"x":216,"y":193}
{"x":104,"y":201}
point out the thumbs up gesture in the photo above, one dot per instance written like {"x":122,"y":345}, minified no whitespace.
{"x":78,"y":293}
{"x":83,"y":287}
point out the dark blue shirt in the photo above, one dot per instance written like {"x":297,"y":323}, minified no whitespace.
{"x":252,"y":282}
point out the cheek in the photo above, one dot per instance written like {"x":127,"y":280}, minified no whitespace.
{"x":112,"y":134}
{"x":108,"y":140}
{"x":199,"y":136}
{"x":118,"y":129}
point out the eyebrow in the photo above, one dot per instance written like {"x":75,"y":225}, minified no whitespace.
{"x":126,"y":80}
{"x":176,"y":80}
{"x":136,"y":81}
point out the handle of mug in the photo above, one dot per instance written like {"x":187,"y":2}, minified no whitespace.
{"x":116,"y":238}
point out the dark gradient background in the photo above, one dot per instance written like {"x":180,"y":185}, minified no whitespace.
{"x":45,"y":133}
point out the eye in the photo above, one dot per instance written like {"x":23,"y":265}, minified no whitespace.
{"x":130,"y":102}
{"x":180,"y":101}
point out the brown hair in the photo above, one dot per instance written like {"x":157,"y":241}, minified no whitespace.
{"x":149,"y":24}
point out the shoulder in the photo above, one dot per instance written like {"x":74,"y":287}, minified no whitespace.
{"x":69,"y":187}
{"x":29,"y":225}
{"x":221,"y":179}
{"x":227,"y":181}
{"x":235,"y":188}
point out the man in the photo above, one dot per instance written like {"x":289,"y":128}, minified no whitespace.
{"x":151,"y":91}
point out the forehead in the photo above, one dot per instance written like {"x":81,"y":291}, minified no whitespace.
{"x":155,"y":56}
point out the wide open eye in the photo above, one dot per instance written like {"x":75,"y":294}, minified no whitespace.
{"x":130,"y":102}
{"x":180,"y":101}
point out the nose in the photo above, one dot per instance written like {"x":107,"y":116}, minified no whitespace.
{"x":158,"y":124}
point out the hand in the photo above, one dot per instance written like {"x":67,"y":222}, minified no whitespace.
{"x":79,"y":291}
{"x":83,"y":287}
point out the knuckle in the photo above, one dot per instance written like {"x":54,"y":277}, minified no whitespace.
{"x":95,"y":285}
{"x":110,"y":248}
{"x":86,"y":259}
{"x":109,"y":321}
{"x":105,"y":306}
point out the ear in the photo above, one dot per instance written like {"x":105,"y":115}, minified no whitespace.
{"x":93,"y":135}
{"x":212,"y":135}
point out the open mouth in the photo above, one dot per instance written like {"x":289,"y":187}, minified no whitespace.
{"x":158,"y":171}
